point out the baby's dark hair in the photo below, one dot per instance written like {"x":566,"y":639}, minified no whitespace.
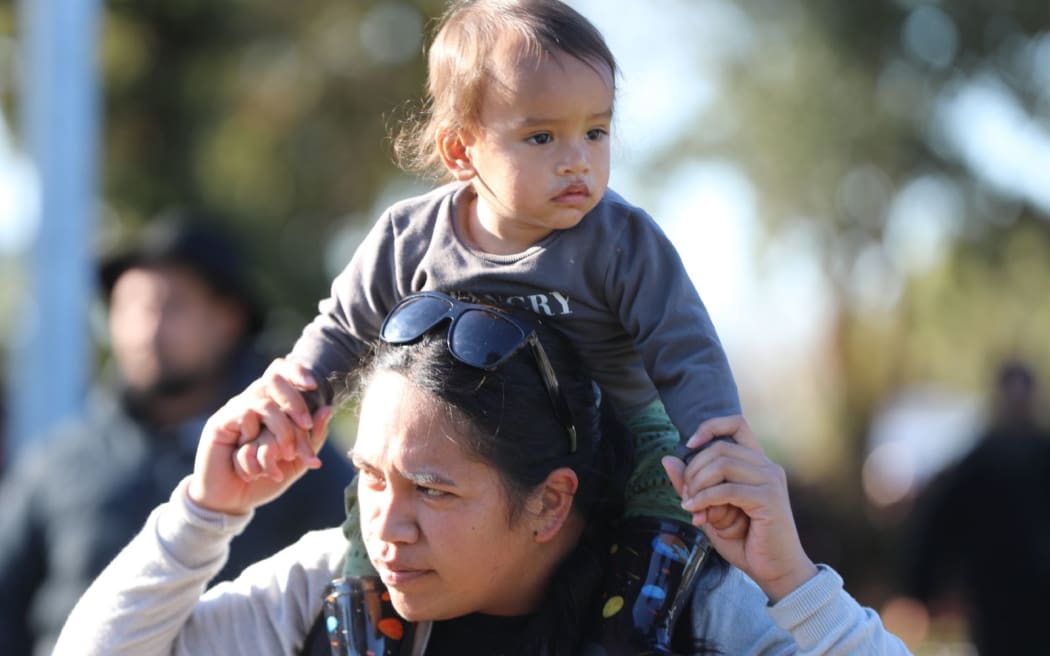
{"x":460,"y":65}
{"x":510,"y":424}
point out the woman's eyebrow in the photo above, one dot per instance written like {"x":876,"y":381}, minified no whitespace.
{"x":418,"y":478}
{"x":428,"y":478}
{"x":357,"y":459}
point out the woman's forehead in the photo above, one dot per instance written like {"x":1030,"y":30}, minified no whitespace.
{"x":403,"y":425}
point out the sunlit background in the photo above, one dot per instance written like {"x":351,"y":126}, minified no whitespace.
{"x":860,"y":192}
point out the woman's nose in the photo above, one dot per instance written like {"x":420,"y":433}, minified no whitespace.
{"x":394,"y":520}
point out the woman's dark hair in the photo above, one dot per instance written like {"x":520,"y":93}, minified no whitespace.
{"x":513,"y":428}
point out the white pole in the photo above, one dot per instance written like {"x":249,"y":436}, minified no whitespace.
{"x":60,"y":126}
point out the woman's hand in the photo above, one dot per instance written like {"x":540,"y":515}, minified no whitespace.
{"x":764,"y":543}
{"x":281,"y":388}
{"x":219,"y":481}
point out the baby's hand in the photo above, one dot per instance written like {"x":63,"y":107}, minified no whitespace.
{"x":278,"y":404}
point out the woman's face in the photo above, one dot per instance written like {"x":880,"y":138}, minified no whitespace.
{"x":434,"y":521}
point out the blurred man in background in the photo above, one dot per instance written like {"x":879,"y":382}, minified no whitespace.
{"x":182,"y":324}
{"x":979,"y":538}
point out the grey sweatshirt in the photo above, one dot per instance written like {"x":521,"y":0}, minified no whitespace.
{"x":614,"y":284}
{"x":151,"y":600}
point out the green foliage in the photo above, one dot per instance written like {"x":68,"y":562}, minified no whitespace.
{"x":984,"y":304}
{"x":274,"y":114}
{"x":833,"y":110}
{"x":833,"y":113}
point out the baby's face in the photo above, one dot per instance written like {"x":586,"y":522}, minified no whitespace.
{"x":541,"y":152}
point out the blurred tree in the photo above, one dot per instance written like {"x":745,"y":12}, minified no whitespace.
{"x":270,"y":112}
{"x":848,"y":118}
{"x":906,"y":140}
{"x":10,"y":275}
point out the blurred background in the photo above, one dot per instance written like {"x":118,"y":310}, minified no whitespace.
{"x":860,"y":190}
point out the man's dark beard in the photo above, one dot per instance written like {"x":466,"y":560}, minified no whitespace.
{"x":140,"y":401}
{"x":176,"y":385}
{"x":216,"y":377}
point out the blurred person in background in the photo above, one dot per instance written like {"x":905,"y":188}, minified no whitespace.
{"x":978,"y":541}
{"x":183,"y":325}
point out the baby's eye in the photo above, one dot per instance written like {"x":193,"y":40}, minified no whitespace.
{"x":540,"y":139}
{"x":597,"y":134}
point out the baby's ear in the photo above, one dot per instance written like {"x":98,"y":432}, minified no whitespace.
{"x":455,"y":154}
{"x":553,"y":503}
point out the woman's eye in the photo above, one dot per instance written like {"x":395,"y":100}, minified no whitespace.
{"x":432,"y":493}
{"x":369,"y":477}
{"x":540,"y":139}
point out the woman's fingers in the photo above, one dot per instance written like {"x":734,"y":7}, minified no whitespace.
{"x":258,"y":412}
{"x":275,"y":402}
{"x":740,"y":498}
{"x":757,"y":500}
{"x":240,"y":461}
{"x":284,"y":382}
{"x":318,"y":435}
{"x":727,"y":426}
{"x":723,"y":460}
{"x":263,"y":456}
{"x":729,"y":489}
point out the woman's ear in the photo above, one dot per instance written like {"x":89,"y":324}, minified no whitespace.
{"x":453,"y":146}
{"x":553,"y":503}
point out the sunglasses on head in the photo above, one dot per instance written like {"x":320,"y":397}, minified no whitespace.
{"x":479,"y":336}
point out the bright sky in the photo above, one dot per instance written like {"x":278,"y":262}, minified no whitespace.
{"x":18,"y":194}
{"x":708,"y":208}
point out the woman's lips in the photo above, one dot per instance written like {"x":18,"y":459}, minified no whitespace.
{"x":394,"y":576}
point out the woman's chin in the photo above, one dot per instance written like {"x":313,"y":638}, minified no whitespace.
{"x":409,"y":608}
{"x":414,"y":609}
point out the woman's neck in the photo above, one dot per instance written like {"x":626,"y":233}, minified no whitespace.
{"x":478,"y":633}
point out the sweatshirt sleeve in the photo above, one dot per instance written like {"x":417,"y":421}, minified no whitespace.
{"x":151,"y":598}
{"x":140,"y":601}
{"x":647,"y":285}
{"x":732,"y":615}
{"x":348,"y":320}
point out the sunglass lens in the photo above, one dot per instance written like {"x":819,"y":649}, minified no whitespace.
{"x":483,"y":339}
{"x":413,"y":318}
